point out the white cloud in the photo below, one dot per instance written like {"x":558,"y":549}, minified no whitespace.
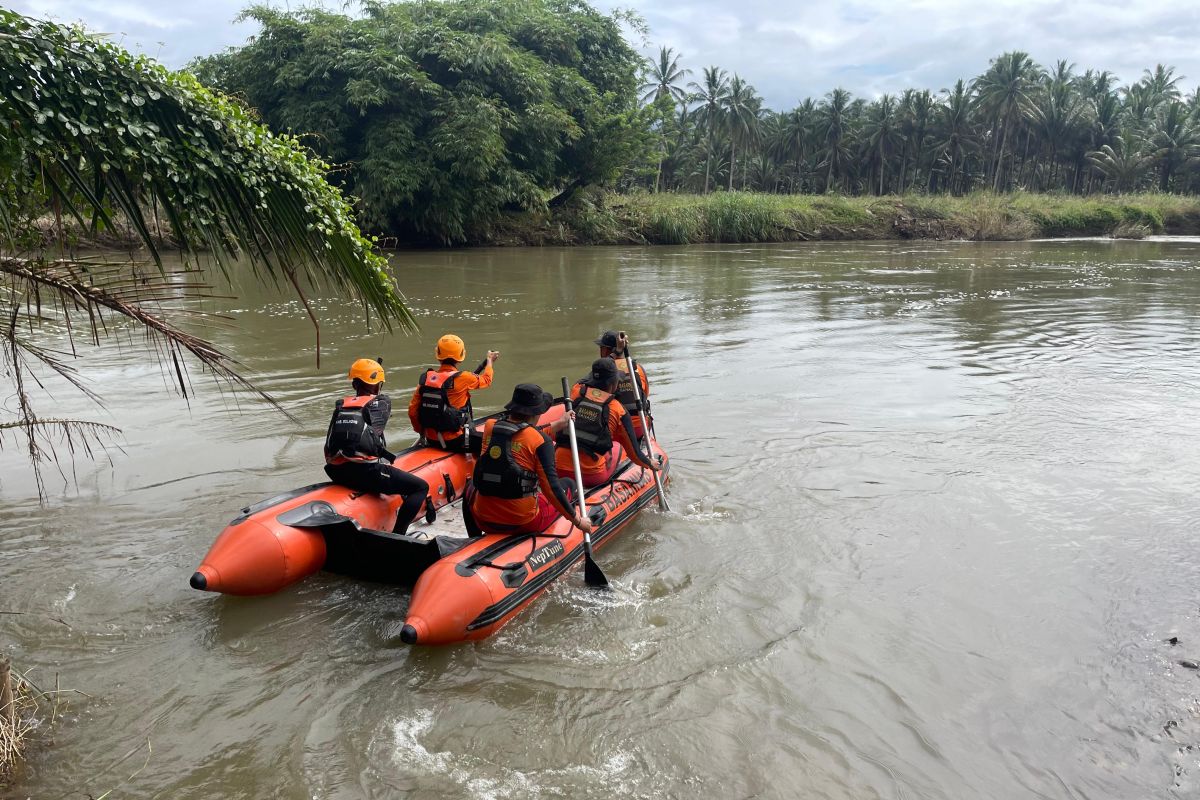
{"x":788,"y":50}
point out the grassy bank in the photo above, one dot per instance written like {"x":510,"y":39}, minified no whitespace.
{"x":749,"y":217}
{"x":597,"y":218}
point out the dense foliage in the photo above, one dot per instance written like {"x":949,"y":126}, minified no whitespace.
{"x":92,"y":134}
{"x":447,"y":113}
{"x":1017,"y":126}
{"x":89,"y":129}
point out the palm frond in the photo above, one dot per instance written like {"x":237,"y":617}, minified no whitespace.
{"x":106,"y":133}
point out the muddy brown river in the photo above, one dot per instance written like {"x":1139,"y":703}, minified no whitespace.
{"x":934,"y":520}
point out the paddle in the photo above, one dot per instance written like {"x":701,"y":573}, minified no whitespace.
{"x":592,"y":574}
{"x":637,"y":393}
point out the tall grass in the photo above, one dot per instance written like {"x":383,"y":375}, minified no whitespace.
{"x":754,"y":217}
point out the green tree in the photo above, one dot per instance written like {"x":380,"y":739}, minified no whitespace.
{"x":881,"y":134}
{"x":793,"y":133}
{"x":711,"y":93}
{"x":1122,"y":164}
{"x":835,"y":134}
{"x":741,"y":107}
{"x":1175,"y":142}
{"x":1005,"y":94}
{"x":1161,"y":84}
{"x":955,"y":138}
{"x":447,"y":114}
{"x":665,"y":75}
{"x":663,"y":93}
{"x":1056,"y":115}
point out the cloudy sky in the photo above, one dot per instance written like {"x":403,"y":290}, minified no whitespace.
{"x":787,"y":50}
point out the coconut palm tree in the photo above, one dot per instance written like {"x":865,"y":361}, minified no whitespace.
{"x":1056,"y":113}
{"x":92,"y":134}
{"x":1161,"y":84}
{"x":1122,"y":163}
{"x":665,"y":75}
{"x":1175,"y":142}
{"x":1139,"y":106}
{"x":742,"y":106}
{"x":881,"y":134}
{"x":711,"y":94}
{"x":954,"y":136}
{"x":1004,"y":93}
{"x":793,"y":132}
{"x":914,"y":112}
{"x":835,"y":134}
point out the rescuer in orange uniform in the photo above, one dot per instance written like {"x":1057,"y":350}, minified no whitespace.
{"x":612,"y":345}
{"x":600,"y":420}
{"x":440,"y":409}
{"x":356,"y":454}
{"x":515,"y":487}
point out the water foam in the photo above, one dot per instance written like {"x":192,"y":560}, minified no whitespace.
{"x":489,"y":781}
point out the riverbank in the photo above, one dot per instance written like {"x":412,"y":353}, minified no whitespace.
{"x":607,"y":218}
{"x":740,"y":217}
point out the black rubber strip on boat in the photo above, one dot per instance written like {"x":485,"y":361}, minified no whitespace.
{"x":491,"y":551}
{"x":498,"y":611}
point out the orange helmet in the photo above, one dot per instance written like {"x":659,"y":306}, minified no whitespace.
{"x":368,"y":371}
{"x":450,"y":346}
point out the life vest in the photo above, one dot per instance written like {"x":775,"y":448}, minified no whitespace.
{"x":591,"y":423}
{"x":497,"y":474}
{"x":350,"y":435}
{"x":625,"y":390}
{"x":435,"y":412}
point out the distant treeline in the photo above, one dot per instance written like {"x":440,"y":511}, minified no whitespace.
{"x":1016,"y":126}
{"x":448,"y":116}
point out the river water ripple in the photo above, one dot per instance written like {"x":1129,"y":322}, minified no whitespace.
{"x":934,"y":520}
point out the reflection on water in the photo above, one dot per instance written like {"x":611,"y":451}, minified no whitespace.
{"x":934,"y":515}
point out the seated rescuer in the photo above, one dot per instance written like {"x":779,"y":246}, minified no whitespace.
{"x":612,"y":345}
{"x":599,"y":421}
{"x":355,"y":447}
{"x":440,"y":408}
{"x":515,"y":487}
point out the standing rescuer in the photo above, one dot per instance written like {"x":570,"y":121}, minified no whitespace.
{"x":440,"y":408}
{"x":515,"y":486}
{"x":600,"y":420}
{"x":356,"y":454}
{"x":612,"y":345}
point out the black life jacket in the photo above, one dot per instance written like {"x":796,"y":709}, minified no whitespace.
{"x":625,"y":391}
{"x":497,"y":474}
{"x":350,"y":434}
{"x":591,"y":424}
{"x":434,"y":410}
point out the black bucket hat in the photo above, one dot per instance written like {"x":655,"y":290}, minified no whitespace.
{"x":604,"y":372}
{"x":528,"y":398}
{"x":609,"y":339}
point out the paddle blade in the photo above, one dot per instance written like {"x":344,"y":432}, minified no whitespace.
{"x":592,"y":574}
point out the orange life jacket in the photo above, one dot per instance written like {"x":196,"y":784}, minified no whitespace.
{"x":435,"y":411}
{"x":591,"y":421}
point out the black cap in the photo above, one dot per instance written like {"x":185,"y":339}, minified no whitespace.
{"x":609,"y":339}
{"x":528,"y":398}
{"x":604,"y":372}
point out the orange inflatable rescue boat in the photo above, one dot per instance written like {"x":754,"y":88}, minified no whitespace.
{"x":463,"y":587}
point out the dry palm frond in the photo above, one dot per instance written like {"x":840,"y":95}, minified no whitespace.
{"x":24,"y":707}
{"x":17,"y":717}
{"x":60,"y":290}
